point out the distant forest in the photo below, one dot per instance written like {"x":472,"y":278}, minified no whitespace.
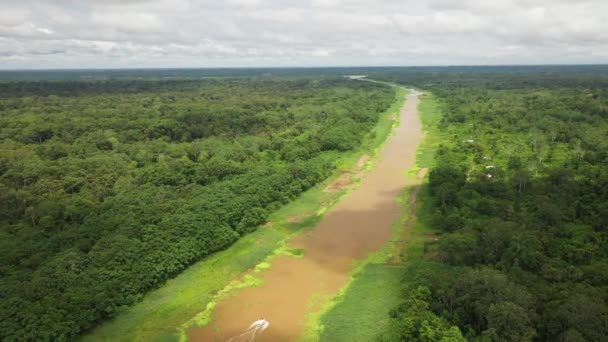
{"x":553,"y":74}
{"x":518,"y":191}
{"x":108,"y":188}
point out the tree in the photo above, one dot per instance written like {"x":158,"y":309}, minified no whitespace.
{"x":415,"y":322}
{"x":509,"y":322}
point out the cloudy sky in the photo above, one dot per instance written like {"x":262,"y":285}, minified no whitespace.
{"x":232,"y":33}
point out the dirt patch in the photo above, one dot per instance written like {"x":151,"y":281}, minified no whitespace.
{"x":434,"y":256}
{"x":294,"y":218}
{"x":342,"y":182}
{"x":422,"y":173}
{"x":345,"y":179}
{"x":430,"y":247}
{"x":361,"y":162}
{"x":269,"y":224}
{"x":398,"y":255}
{"x":432,"y":237}
{"x":357,"y":225}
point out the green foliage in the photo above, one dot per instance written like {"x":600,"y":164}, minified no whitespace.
{"x":109,"y":188}
{"x":508,"y":322}
{"x":517,"y":196}
{"x":415,"y":322}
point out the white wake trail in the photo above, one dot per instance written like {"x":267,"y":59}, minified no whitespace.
{"x":255,"y":327}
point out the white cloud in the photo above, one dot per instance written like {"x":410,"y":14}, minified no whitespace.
{"x":128,"y":22}
{"x":11,"y":16}
{"x":209,"y":33}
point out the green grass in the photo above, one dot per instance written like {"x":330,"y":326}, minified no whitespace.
{"x":362,"y":314}
{"x":189,"y":298}
{"x":430,"y":115}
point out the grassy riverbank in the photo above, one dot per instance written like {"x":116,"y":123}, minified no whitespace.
{"x":192,"y":294}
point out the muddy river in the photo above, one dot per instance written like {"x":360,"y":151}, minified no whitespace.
{"x":359,"y":224}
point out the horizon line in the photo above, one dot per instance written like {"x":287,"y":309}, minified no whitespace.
{"x":118,"y":68}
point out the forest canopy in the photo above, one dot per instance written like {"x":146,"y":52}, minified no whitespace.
{"x":517,"y":195}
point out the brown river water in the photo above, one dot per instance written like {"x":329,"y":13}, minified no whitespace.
{"x":357,"y":225}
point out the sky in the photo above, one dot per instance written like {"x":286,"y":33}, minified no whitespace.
{"x":36,"y":34}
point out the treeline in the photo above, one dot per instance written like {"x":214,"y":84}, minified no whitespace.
{"x":519,"y":194}
{"x":497,"y":77}
{"x":105,"y":194}
{"x":72,"y":88}
{"x":547,"y":75}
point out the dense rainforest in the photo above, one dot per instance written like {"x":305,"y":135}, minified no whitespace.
{"x":111,"y":184}
{"x":110,"y":187}
{"x":518,"y":198}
